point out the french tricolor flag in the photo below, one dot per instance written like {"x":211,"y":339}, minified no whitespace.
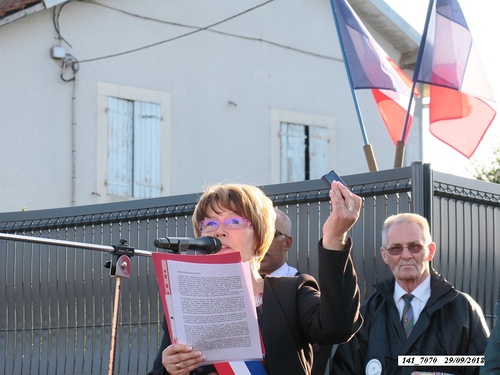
{"x":370,"y":67}
{"x":240,"y":368}
{"x":462,"y":105}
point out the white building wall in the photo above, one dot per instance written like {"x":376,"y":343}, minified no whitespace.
{"x":221,"y":93}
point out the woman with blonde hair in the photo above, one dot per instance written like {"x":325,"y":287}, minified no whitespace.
{"x":292,"y":313}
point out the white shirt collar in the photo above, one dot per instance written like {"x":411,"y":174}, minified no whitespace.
{"x":422,"y":292}
{"x":284,"y":270}
{"x":420,"y":296}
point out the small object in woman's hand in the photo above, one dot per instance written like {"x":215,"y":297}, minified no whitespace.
{"x":330,"y":177}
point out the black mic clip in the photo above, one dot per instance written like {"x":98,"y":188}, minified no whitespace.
{"x":190,"y":246}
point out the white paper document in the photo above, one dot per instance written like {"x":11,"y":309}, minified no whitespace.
{"x":209,"y":304}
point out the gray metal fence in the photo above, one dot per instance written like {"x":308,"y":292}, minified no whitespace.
{"x":59,"y":300}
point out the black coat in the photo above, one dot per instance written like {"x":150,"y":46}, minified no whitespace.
{"x":451,"y":323}
{"x":295,"y":314}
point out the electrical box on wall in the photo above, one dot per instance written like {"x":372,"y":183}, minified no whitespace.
{"x":57,"y":52}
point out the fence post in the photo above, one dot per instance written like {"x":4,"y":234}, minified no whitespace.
{"x":422,"y":190}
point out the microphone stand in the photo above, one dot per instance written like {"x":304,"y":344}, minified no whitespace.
{"x":119,"y":268}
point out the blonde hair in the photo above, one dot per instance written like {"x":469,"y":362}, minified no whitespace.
{"x":245,"y":200}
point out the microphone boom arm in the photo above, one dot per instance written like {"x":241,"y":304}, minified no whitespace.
{"x":119,"y":267}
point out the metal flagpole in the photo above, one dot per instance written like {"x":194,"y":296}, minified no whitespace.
{"x":370,"y":156}
{"x":400,"y":147}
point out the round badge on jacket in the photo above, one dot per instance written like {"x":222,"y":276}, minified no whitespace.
{"x":373,"y":367}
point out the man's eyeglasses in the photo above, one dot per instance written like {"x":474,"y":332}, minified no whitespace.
{"x":278,"y":233}
{"x":413,"y":248}
{"x":211,"y":225}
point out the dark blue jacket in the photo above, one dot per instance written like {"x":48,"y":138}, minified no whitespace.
{"x":451,"y":323}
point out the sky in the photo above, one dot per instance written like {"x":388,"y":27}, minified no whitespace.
{"x":482,"y":17}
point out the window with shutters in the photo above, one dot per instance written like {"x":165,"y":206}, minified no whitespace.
{"x":133,"y":144}
{"x":302,"y":146}
{"x":304,"y":152}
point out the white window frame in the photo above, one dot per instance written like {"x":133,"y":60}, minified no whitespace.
{"x":106,"y":90}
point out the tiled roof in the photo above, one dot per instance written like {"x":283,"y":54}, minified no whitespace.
{"x":8,"y":7}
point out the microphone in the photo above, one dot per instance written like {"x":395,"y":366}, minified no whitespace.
{"x":201,"y":245}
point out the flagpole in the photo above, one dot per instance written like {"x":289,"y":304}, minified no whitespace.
{"x":401,"y":145}
{"x":367,"y":148}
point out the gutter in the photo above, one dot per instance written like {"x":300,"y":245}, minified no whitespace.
{"x":21,"y":14}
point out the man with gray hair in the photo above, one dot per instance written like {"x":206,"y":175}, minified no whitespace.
{"x":275,"y":260}
{"x":416,"y":312}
